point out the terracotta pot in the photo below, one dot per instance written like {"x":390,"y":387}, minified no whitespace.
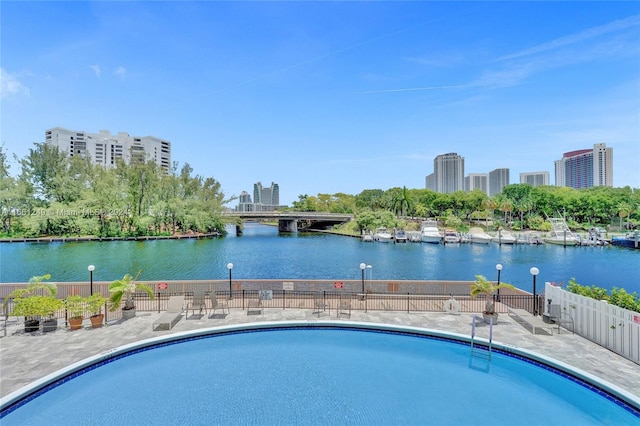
{"x":96,"y":320}
{"x":75,"y":323}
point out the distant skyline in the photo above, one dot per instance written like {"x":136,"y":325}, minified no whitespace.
{"x":329,"y":97}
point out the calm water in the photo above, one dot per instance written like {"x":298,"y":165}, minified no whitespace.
{"x":263,"y":253}
{"x":307,"y":376}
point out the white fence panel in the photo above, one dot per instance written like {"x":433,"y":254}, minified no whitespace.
{"x":615,"y":328}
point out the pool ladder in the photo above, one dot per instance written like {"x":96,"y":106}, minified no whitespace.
{"x":478,"y":353}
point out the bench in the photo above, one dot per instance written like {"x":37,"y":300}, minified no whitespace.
{"x":532,"y":323}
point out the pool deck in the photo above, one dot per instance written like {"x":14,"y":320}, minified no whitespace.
{"x":25,"y":358}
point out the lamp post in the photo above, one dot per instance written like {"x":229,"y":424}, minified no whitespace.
{"x":499,"y":269}
{"x":363,"y":266}
{"x":230,"y":267}
{"x":370,"y":268}
{"x":534,"y":271}
{"x":91,"y":268}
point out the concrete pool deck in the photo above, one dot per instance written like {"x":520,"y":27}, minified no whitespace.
{"x":25,"y":358}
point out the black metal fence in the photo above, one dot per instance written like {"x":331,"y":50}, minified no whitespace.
{"x":400,"y":296}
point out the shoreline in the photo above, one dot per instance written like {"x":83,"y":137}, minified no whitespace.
{"x":80,"y":239}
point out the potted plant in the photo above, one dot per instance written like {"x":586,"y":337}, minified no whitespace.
{"x":35,"y":307}
{"x":48,"y":305}
{"x":75,"y":305}
{"x":124,"y":289}
{"x":94,"y":305}
{"x":483,"y":286}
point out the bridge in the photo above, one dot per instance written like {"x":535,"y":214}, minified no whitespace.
{"x":292,"y":221}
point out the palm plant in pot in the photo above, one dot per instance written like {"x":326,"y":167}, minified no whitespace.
{"x":483,"y":286}
{"x":124,"y":289}
{"x":35,"y":307}
{"x":75,"y":305}
{"x":94,"y":305}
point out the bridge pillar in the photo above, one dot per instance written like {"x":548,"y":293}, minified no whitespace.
{"x":287,"y":225}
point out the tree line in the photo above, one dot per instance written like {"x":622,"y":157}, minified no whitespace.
{"x":518,"y":207}
{"x":58,"y":195}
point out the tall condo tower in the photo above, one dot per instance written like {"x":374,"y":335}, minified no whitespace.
{"x":498,"y":179}
{"x":585,"y":168}
{"x":449,"y":173}
{"x":266,"y":199}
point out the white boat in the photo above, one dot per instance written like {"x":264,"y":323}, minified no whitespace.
{"x":451,"y":236}
{"x":414,"y":236}
{"x":429,"y":232}
{"x":383,"y":235}
{"x":478,"y":236}
{"x":504,"y":237}
{"x":560,"y":233}
{"x":367,"y":236}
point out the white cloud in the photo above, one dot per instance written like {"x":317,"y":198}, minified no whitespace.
{"x":96,"y":69}
{"x":10,"y":86}
{"x":120,"y":72}
{"x":615,"y":26}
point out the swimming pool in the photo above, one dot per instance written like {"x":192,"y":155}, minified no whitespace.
{"x":305,"y":374}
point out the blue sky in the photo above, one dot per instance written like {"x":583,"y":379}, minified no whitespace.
{"x":328,"y":97}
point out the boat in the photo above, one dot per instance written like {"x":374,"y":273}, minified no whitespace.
{"x":560,"y":233}
{"x":478,"y":236}
{"x":429,"y":232}
{"x":414,"y":236}
{"x":367,"y":236}
{"x":504,"y":237}
{"x":383,"y":235}
{"x":400,"y":236}
{"x":630,"y":240}
{"x":451,"y":236}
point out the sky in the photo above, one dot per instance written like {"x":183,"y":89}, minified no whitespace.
{"x":330,"y":97}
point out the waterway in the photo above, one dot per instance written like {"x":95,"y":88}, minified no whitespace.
{"x":264,"y":253}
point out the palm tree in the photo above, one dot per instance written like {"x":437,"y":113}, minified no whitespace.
{"x":402,"y":202}
{"x":124,"y":289}
{"x":483,"y":286}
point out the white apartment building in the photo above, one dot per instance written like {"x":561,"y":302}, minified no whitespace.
{"x":106,"y":149}
{"x":475,"y":181}
{"x":498,"y":179}
{"x":535,"y":178}
{"x":448,"y":171}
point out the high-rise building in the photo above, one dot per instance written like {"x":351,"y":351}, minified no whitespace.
{"x":266,"y":199}
{"x":498,"y":179}
{"x":244,"y":202}
{"x":449,"y":173}
{"x":535,"y":178}
{"x":585,"y":168}
{"x":477,"y":181}
{"x":106,"y":149}
{"x":430,"y":182}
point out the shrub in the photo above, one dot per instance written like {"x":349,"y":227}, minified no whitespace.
{"x":618,"y":297}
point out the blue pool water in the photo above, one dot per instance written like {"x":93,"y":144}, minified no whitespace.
{"x":315,"y":375}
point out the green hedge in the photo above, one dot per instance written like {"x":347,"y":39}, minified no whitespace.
{"x":618,"y":297}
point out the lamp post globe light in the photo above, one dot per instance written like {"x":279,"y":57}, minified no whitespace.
{"x":499,"y":269}
{"x":91,"y":268}
{"x":363,"y":266}
{"x":534,"y":271}
{"x":230,"y":267}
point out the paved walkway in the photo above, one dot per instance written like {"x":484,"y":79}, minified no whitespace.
{"x":27,"y":357}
